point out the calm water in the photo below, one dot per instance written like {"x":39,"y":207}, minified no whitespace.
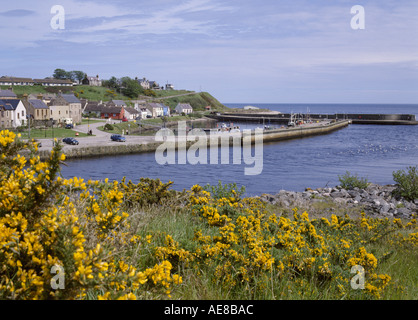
{"x":372,"y":151}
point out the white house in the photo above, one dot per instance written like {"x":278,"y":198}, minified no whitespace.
{"x":17,"y":111}
{"x":14,"y":81}
{"x":131,"y":113}
{"x":156,"y":109}
{"x":144,"y":83}
{"x":184,"y":107}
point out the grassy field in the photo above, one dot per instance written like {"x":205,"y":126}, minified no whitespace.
{"x":82,"y":92}
{"x":50,"y":133}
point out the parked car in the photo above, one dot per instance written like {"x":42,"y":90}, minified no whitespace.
{"x":124,"y":120}
{"x":71,"y":141}
{"x":69,"y":126}
{"x":117,"y":137}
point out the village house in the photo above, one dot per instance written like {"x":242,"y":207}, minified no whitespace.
{"x":45,"y":97}
{"x":15,"y":112}
{"x":185,"y":108}
{"x":92,"y":81}
{"x":6,"y":115}
{"x":144,"y":83}
{"x":65,"y":106}
{"x":14,"y":81}
{"x":116,"y":103}
{"x":75,"y":107}
{"x":144,"y":113}
{"x":51,"y":82}
{"x":156,"y":109}
{"x":37,"y":109}
{"x":166,"y":111}
{"x":112,"y":112}
{"x":131,"y":113}
{"x":93,"y":109}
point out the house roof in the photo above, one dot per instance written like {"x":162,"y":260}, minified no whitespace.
{"x":131,"y":110}
{"x":117,"y":102}
{"x":50,"y":80}
{"x":94,"y":107}
{"x":70,"y":98}
{"x":38,"y":104}
{"x":154,"y":105}
{"x":10,"y":104}
{"x":7,"y":93}
{"x":15,"y":79}
{"x":183,"y":106}
{"x":58,"y":101}
{"x":112,"y":109}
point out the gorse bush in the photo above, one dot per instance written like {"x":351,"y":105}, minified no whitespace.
{"x":349,"y":181}
{"x":224,"y":190}
{"x":48,"y":223}
{"x":75,"y":239}
{"x":407,"y":183}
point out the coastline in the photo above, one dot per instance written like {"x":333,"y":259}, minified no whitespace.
{"x":101,"y":145}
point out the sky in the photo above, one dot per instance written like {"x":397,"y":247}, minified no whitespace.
{"x":247,"y":51}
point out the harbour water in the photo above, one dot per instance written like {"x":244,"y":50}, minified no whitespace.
{"x":371,"y":151}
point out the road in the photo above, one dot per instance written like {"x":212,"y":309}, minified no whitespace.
{"x":99,"y":137}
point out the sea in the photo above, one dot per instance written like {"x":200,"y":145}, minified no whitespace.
{"x":368,"y":151}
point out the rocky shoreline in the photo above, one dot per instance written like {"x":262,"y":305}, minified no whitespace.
{"x":376,"y":200}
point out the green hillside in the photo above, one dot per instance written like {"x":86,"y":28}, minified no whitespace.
{"x":198,"y":100}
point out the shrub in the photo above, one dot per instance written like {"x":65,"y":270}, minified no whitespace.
{"x":224,"y":191}
{"x":67,"y":239}
{"x":109,"y":127}
{"x":407,"y":183}
{"x":349,"y":181}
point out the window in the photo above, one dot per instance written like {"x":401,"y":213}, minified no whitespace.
{"x":23,"y":113}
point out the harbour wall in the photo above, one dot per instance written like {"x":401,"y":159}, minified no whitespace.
{"x":382,"y":119}
{"x":79,"y":152}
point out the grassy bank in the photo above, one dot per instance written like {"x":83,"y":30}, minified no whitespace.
{"x":142,"y":240}
{"x":49,"y":133}
{"x":199,"y":101}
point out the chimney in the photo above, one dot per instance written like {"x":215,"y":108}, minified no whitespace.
{"x":25,"y":97}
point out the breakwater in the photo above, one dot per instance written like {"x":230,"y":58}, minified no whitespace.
{"x":137,"y":145}
{"x":283,"y":118}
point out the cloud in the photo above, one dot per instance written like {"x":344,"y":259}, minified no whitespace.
{"x":17,"y":13}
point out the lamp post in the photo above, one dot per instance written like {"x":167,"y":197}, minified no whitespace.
{"x":52,"y":125}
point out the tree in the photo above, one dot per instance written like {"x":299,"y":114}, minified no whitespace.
{"x":113,"y":83}
{"x":78,"y":75}
{"x":72,"y":75}
{"x":130,"y":87}
{"x":60,"y":74}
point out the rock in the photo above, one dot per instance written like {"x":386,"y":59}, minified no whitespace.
{"x":358,"y":198}
{"x":384,"y":209}
{"x":404,"y":211}
{"x":306,"y":194}
{"x":337,"y":194}
{"x":340,"y":200}
{"x":353,"y":193}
